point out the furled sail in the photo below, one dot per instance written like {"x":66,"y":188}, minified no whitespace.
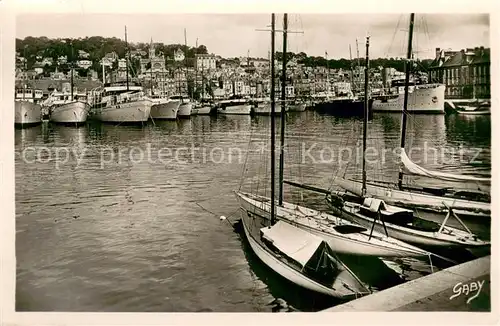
{"x":418,"y":170}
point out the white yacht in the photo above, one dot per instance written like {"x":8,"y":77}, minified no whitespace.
{"x":425,"y":98}
{"x":164,"y":108}
{"x":27,"y":108}
{"x":185,"y":107}
{"x":234,"y":106}
{"x":65,"y":107}
{"x":119,"y":103}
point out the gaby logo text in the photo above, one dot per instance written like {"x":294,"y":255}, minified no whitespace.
{"x":474,"y":288}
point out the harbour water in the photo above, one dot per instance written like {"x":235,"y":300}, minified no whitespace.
{"x":104,"y":222}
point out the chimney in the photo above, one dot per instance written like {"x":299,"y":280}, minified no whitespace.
{"x":438,"y":53}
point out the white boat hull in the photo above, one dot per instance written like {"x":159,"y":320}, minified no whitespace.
{"x":418,"y":237}
{"x":136,"y":111}
{"x":285,"y":271}
{"x":265,"y":109}
{"x":428,"y":99}
{"x":201,"y":110}
{"x":354,"y":244}
{"x":73,"y":112}
{"x":235,"y":109}
{"x":185,"y":110}
{"x":407,"y":198}
{"x":167,"y":110}
{"x":27,"y":113}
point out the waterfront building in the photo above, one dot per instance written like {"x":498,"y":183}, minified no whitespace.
{"x":465,"y":73}
{"x":205,"y":62}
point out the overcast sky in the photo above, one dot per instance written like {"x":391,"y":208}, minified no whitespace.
{"x":232,"y":35}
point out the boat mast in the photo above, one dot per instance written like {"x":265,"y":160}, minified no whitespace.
{"x":72,"y":66}
{"x":352,"y":72}
{"x":151,"y":64}
{"x":273,"y":218}
{"x":405,"y":103}
{"x":25,"y":70}
{"x":202,"y":80}
{"x":283,"y":106}
{"x":128,"y":53}
{"x":365,"y":115}
{"x":185,"y":62}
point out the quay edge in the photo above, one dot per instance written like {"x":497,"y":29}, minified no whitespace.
{"x":447,"y":290}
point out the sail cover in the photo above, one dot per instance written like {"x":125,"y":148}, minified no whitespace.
{"x":292,"y":241}
{"x":418,"y":170}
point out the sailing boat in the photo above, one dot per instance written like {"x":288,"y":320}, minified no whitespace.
{"x":186,"y":105}
{"x":341,"y":235}
{"x":72,"y":110}
{"x":119,"y":103}
{"x":202,"y":108}
{"x":297,"y":255}
{"x":474,"y":107}
{"x":463,"y":202}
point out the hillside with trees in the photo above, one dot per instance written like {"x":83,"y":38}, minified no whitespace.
{"x":97,"y":47}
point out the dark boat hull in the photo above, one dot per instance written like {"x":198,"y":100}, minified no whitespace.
{"x":345,"y":108}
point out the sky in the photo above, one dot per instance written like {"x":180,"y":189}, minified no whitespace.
{"x":233,"y":35}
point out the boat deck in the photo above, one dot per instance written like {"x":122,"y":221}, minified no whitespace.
{"x":464,"y":287}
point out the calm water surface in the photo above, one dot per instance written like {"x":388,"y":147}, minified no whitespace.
{"x":107,"y":220}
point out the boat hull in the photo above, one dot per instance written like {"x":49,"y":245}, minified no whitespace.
{"x":129,"y":112}
{"x":185,"y":110}
{"x":355,"y":245}
{"x":27,"y":113}
{"x":301,"y":107}
{"x":424,"y":99}
{"x":235,"y":109}
{"x":412,"y":199}
{"x":431,"y":239}
{"x":345,"y":108}
{"x":285,"y":271}
{"x":165,"y":111}
{"x":203,"y":110}
{"x":73,"y":112}
{"x":265,"y":109}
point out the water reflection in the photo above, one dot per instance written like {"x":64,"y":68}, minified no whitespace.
{"x":109,"y":230}
{"x":25,"y":136}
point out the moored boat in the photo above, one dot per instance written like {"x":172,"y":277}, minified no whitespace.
{"x":426,"y":98}
{"x":27,"y":110}
{"x":75,"y":111}
{"x":402,"y":224}
{"x":27,"y":113}
{"x":234,"y":106}
{"x":164,"y":108}
{"x":121,"y":104}
{"x":341,"y":235}
{"x":301,"y":257}
{"x":185,"y":109}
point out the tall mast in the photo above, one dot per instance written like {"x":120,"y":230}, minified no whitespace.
{"x":283,"y":105}
{"x":202,"y":79}
{"x":126,"y":60}
{"x":352,"y":72}
{"x":185,"y":61}
{"x":72,"y":66}
{"x":248,"y":72}
{"x":273,"y":203}
{"x":405,"y":103}
{"x":151,"y":64}
{"x":357,"y":59}
{"x":163,"y":78}
{"x":365,"y":115}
